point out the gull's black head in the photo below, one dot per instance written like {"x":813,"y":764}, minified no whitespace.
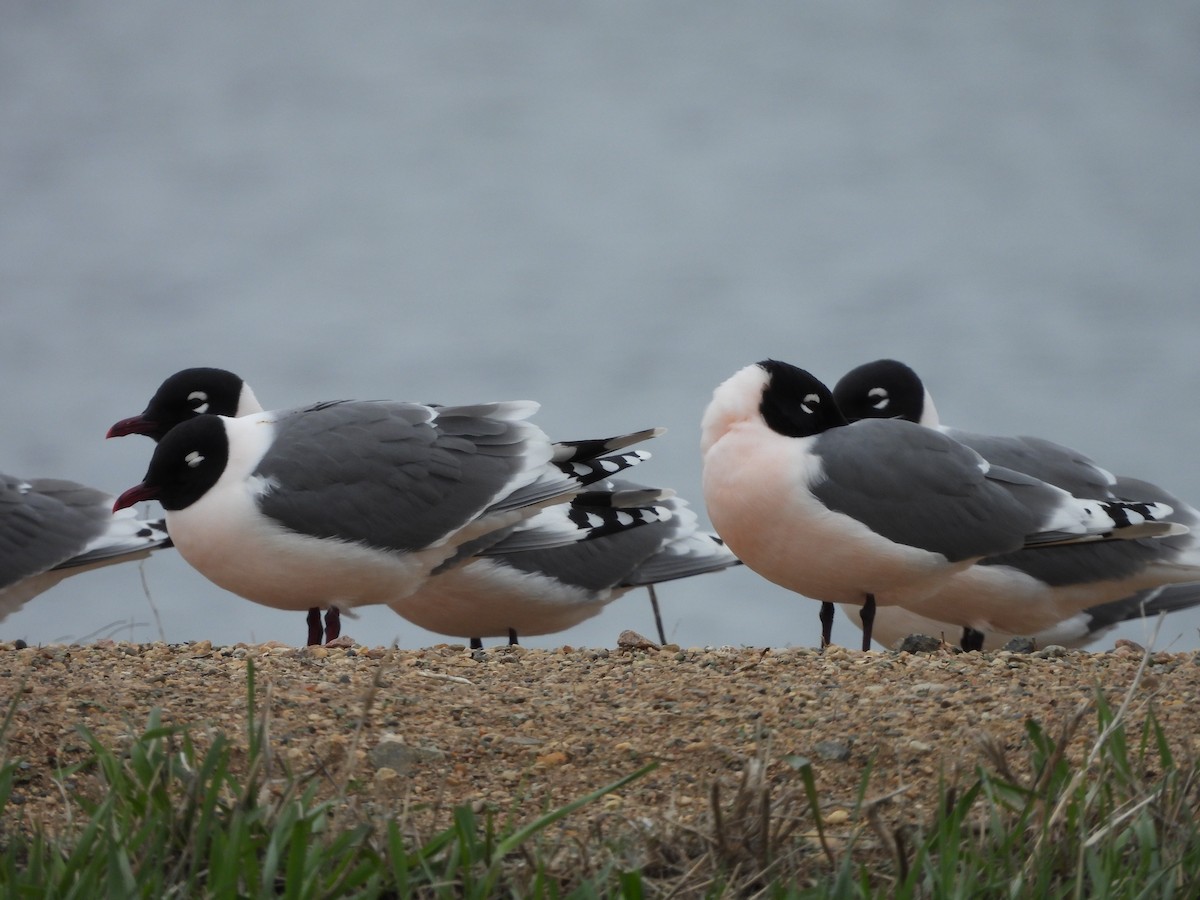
{"x":884,"y":389}
{"x":795,"y":403}
{"x":185,"y":395}
{"x":186,"y":464}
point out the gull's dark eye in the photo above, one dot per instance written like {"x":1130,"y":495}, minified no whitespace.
{"x":879,"y":398}
{"x":809,"y":402}
{"x":194,"y":459}
{"x":198,"y":401}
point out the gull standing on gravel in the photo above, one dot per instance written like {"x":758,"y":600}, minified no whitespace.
{"x":353,"y":503}
{"x":881,"y":512}
{"x":1060,"y":580}
{"x":511,"y":591}
{"x":540,"y":580}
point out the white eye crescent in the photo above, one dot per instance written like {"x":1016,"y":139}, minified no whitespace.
{"x":194,"y":459}
{"x":880,"y":396}
{"x":810,"y":401}
{"x":199,"y":401}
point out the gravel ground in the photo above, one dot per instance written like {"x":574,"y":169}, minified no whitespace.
{"x":527,"y":730}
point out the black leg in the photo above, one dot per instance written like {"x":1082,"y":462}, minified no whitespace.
{"x":826,"y":625}
{"x":333,"y":623}
{"x":512,"y":637}
{"x":868,"y":620}
{"x":476,"y":643}
{"x":971,"y":639}
{"x":314,"y":626}
{"x":662,"y":635}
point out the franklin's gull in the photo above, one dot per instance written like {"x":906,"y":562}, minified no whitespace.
{"x":512,"y":591}
{"x":881,"y":511}
{"x":1034,"y":590}
{"x":351,"y":503}
{"x":535,"y":589}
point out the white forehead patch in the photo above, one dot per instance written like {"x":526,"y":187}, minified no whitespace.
{"x":194,"y":459}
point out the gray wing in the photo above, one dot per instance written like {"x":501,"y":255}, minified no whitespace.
{"x":589,"y":516}
{"x":626,"y":522}
{"x":1149,"y":603}
{"x":597,"y":564}
{"x":1170,"y":598}
{"x":44,"y":522}
{"x":125,"y":538}
{"x":696,"y":554}
{"x":1107,"y":560}
{"x":1044,"y":460}
{"x":685,"y":551}
{"x":1083,"y":563}
{"x":917,"y":487}
{"x":399,"y":476}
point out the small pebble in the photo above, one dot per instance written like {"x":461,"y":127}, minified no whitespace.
{"x":1020,"y":645}
{"x":920,"y":643}
{"x":394,"y":754}
{"x":631,"y":640}
{"x":1123,"y":645}
{"x":930,"y":687}
{"x":833,"y":750}
{"x":1051,"y":651}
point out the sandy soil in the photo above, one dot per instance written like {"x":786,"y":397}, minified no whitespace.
{"x":527,"y":730}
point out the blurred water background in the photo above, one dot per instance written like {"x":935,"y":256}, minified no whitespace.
{"x":606,"y":207}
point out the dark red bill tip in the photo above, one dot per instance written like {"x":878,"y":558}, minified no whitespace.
{"x":133,"y":425}
{"x":135,"y":494}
